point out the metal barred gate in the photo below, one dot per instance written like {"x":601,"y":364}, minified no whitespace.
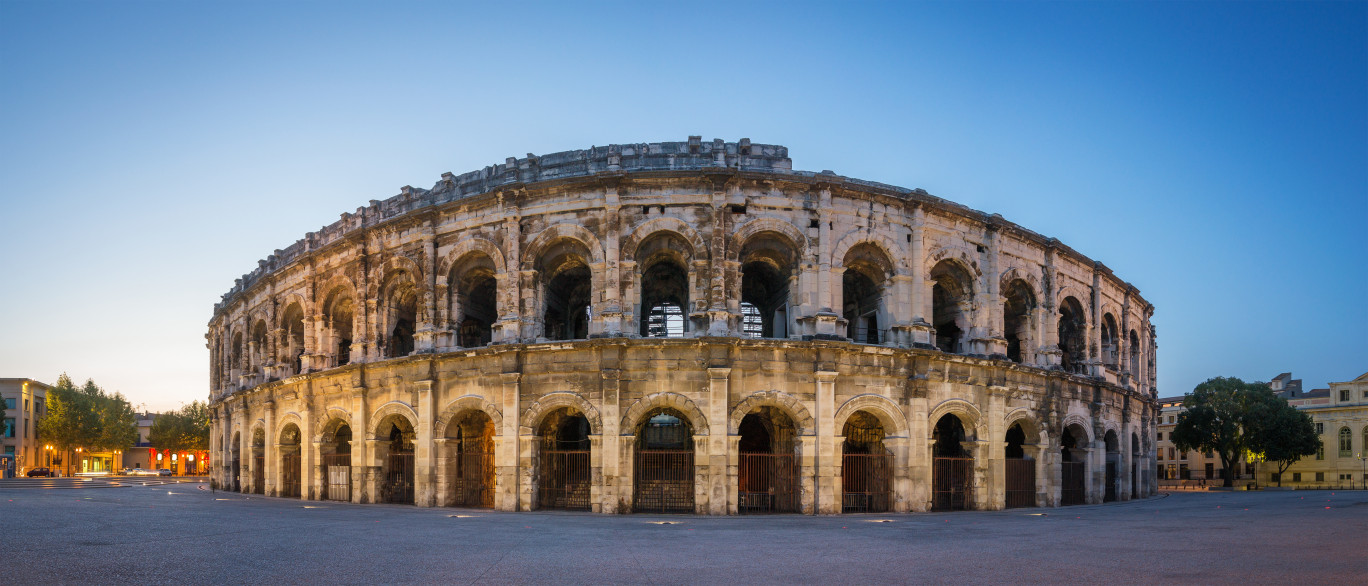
{"x":290,"y":474}
{"x":866,"y":483}
{"x":663,"y":481}
{"x":1073,"y":489}
{"x":1021,"y":483}
{"x":952,"y":484}
{"x":237,"y":472}
{"x":563,"y":482}
{"x":259,"y":473}
{"x":398,"y":487}
{"x":768,"y":484}
{"x":337,"y":476}
{"x":1110,"y":494}
{"x":468,"y":474}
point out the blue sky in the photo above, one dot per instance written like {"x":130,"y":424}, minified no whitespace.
{"x":1215,"y":155}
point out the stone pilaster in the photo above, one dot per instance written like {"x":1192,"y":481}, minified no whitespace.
{"x":828,"y":456}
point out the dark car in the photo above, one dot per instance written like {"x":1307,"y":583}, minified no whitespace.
{"x":39,"y":472}
{"x":164,"y":472}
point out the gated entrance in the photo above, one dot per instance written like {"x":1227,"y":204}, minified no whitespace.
{"x":336,"y":462}
{"x":470,"y":461}
{"x":237,"y":462}
{"x":291,"y":464}
{"x":663,"y":476}
{"x":259,"y":461}
{"x":768,"y":475}
{"x":1113,"y":467}
{"x":1021,"y":472}
{"x":564,"y":474}
{"x":952,"y":470}
{"x":1072,"y":473}
{"x":397,"y":467}
{"x":866,"y":466}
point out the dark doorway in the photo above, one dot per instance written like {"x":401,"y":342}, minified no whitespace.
{"x":866,"y":466}
{"x":237,"y":462}
{"x":952,"y":473}
{"x":663,"y":479}
{"x":564,"y":474}
{"x":397,"y":471}
{"x":259,"y":461}
{"x":470,"y":461}
{"x":336,"y":462}
{"x":1021,"y":471}
{"x":768,"y":475}
{"x":291,"y":462}
{"x":1073,"y":480}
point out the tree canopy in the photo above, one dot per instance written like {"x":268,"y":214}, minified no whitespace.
{"x":87,"y":417}
{"x":1232,"y":418}
{"x":183,"y":430}
{"x":1283,"y":436}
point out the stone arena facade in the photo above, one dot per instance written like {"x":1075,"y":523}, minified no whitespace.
{"x":681,"y":327}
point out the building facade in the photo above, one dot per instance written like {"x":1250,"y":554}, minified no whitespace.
{"x":1340,"y":414}
{"x":25,"y":405}
{"x":681,"y":327}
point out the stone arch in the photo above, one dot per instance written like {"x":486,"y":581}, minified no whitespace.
{"x":393,"y":265}
{"x":463,"y":404}
{"x":796,"y":239}
{"x":555,"y":232}
{"x":391,"y":408}
{"x":1016,"y":274}
{"x":286,"y":419}
{"x":897,"y":260}
{"x":1076,"y":420}
{"x":286,"y":300}
{"x":1029,"y":424}
{"x":331,"y":285}
{"x":1079,"y":295}
{"x":889,"y":414}
{"x":552,"y":401}
{"x":324,"y":421}
{"x":667,"y":225}
{"x":969,"y":415}
{"x":802,"y":418}
{"x":468,"y":246}
{"x":675,"y":401}
{"x":959,"y":256}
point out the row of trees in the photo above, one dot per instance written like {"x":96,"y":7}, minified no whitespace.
{"x":1237,"y":419}
{"x":87,"y":417}
{"x":182,"y":431}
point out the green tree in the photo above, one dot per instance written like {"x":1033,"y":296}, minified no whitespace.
{"x":1221,"y":415}
{"x":183,"y":430}
{"x":1283,"y":435}
{"x":87,"y":417}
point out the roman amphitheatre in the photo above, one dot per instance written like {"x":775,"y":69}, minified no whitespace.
{"x":681,"y":327}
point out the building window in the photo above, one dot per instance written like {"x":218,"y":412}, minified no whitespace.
{"x":1320,"y":428}
{"x":1344,"y":396}
{"x":1171,"y":457}
{"x":9,"y":426}
{"x":1346,"y":443}
{"x":9,"y":403}
{"x":1320,"y":452}
{"x":1296,"y":477}
{"x":1161,"y":436}
{"x":1320,"y":477}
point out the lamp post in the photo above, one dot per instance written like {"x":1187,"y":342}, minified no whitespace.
{"x":1363,"y":468}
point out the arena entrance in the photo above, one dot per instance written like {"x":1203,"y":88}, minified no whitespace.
{"x":768,"y":475}
{"x":952,"y":472}
{"x":259,"y":461}
{"x":866,"y":466}
{"x":470,"y":461}
{"x":396,"y":454}
{"x":1135,"y":459}
{"x":1021,"y":471}
{"x":1072,"y":469}
{"x":663,"y":479}
{"x":336,"y":461}
{"x":564,"y":475}
{"x":237,"y":462}
{"x":1113,"y":467}
{"x":291,"y":462}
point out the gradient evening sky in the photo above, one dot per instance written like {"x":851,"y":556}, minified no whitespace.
{"x":1215,"y":155}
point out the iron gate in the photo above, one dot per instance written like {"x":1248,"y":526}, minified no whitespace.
{"x":1021,"y":483}
{"x":468,"y":474}
{"x":663,"y":481}
{"x":1135,"y":492}
{"x":1073,"y":488}
{"x":768,"y":484}
{"x":289,"y":474}
{"x":237,"y":473}
{"x":259,"y":473}
{"x":564,"y":480}
{"x":1110,"y":494}
{"x":398,"y":487}
{"x":337,"y":469}
{"x":866,"y":483}
{"x":952,"y":484}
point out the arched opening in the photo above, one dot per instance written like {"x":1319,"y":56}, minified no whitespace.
{"x":236,"y":457}
{"x":1134,"y":361}
{"x":952,"y":472}
{"x":338,"y":315}
{"x":952,"y":293}
{"x":767,"y":268}
{"x":768,"y":475}
{"x":1111,"y":352}
{"x":470,"y":460}
{"x":335,"y":458}
{"x":663,"y":479}
{"x":1346,"y":443}
{"x":1135,"y":466}
{"x":235,"y":364}
{"x":664,"y":297}
{"x":291,"y":462}
{"x":1113,"y":487}
{"x":395,"y":452}
{"x":1020,"y":469}
{"x":291,"y":349}
{"x":564,"y":474}
{"x":1017,"y":323}
{"x":1073,"y":336}
{"x":474,"y":300}
{"x":861,"y":298}
{"x":400,"y":315}
{"x":257,"y":348}
{"x":866,"y":466}
{"x":259,"y":461}
{"x":1073,"y":466}
{"x":566,"y":289}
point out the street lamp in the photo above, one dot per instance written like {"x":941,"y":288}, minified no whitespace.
{"x":1363,"y":468}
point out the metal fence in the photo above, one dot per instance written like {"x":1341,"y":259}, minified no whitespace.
{"x":768,"y":484}
{"x":337,"y":475}
{"x":290,"y":464}
{"x":1021,"y":483}
{"x":259,"y":473}
{"x":469,"y":476}
{"x":1109,"y":494}
{"x":663,"y":481}
{"x":563,"y":482}
{"x":1073,"y":489}
{"x":952,"y":484}
{"x":866,"y":483}
{"x":398,"y":486}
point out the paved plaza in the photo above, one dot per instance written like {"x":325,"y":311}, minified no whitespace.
{"x":178,"y":533}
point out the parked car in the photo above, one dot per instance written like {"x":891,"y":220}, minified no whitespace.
{"x":39,"y":472}
{"x":164,"y":472}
